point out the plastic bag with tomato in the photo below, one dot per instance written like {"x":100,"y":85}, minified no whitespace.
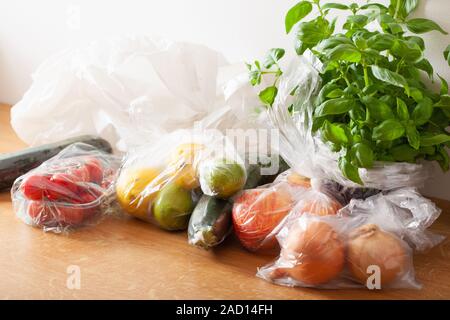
{"x":335,"y":252}
{"x":161,"y":182}
{"x":257,"y":212}
{"x":70,"y":190}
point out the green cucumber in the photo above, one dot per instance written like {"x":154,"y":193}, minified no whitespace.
{"x":13,"y":165}
{"x":210,"y":222}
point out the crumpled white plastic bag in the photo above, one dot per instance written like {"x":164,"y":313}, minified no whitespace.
{"x":130,"y":90}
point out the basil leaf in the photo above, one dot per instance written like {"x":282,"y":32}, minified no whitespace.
{"x":403,"y":8}
{"x":409,"y":51}
{"x":349,"y":170}
{"x":404,"y":153}
{"x":444,"y":103}
{"x":335,"y":134}
{"x":336,"y":93}
{"x":388,"y":130}
{"x":378,"y":109}
{"x":297,"y":13}
{"x":378,"y":6}
{"x":273,"y":57}
{"x":422,"y":112}
{"x":338,"y":6}
{"x":444,"y":85}
{"x":447,"y":55}
{"x":363,"y":154}
{"x":421,"y":25}
{"x":429,"y":140}
{"x":267,"y":96}
{"x":381,"y":41}
{"x":345,"y":52}
{"x":417,"y":40}
{"x":335,"y":106}
{"x":311,"y":33}
{"x":356,"y":21}
{"x":413,"y":136}
{"x":390,"y":77}
{"x":333,"y":42}
{"x":410,"y":6}
{"x":426,"y":66}
{"x":444,"y":162}
{"x":402,"y":110}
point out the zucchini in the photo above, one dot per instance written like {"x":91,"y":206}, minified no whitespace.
{"x":16,"y":164}
{"x":210,"y":222}
{"x":255,"y":178}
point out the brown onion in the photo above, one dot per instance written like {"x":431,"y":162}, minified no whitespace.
{"x":317,"y":252}
{"x":369,"y":246}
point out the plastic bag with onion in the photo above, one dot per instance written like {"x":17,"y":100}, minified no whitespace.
{"x":333,"y":252}
{"x":382,"y":222}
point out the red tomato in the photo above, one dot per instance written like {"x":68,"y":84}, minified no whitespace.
{"x":65,"y":180}
{"x":70,"y":216}
{"x":95,"y":169}
{"x":80,"y":173}
{"x":34,"y":186}
{"x":39,"y":213}
{"x":61,"y":190}
{"x":256,"y":213}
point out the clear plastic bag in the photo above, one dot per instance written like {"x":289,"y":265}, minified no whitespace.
{"x":132,"y":90}
{"x":161,"y":183}
{"x":70,"y":190}
{"x":257,"y":212}
{"x":333,"y":252}
{"x":402,"y":211}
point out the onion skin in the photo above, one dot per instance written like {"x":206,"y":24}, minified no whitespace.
{"x":317,"y":252}
{"x":368,"y":245}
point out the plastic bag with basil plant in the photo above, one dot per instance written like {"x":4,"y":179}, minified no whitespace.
{"x":353,"y":111}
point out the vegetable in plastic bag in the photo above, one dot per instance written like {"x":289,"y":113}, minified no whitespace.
{"x":210,"y":222}
{"x":161,"y":183}
{"x":334,"y":252}
{"x":257,"y":212}
{"x":72,"y":189}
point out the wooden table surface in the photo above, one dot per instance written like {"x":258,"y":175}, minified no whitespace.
{"x":129,"y":259}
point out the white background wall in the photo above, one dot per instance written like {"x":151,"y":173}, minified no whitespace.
{"x":30,"y":31}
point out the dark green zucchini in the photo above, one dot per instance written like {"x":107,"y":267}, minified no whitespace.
{"x":255,"y":177}
{"x":210,"y":222}
{"x":13,"y":165}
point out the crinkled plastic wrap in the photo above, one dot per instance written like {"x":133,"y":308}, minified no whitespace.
{"x":161,"y":182}
{"x":306,"y":153}
{"x":403,"y":211}
{"x":132,"y":90}
{"x":257,"y":212}
{"x":70,"y":190}
{"x":334,"y":252}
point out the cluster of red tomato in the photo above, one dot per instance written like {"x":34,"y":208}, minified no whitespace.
{"x":67,"y":197}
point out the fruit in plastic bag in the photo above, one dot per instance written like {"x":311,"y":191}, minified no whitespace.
{"x":299,"y":180}
{"x":172,"y":207}
{"x":68,"y":190}
{"x":133,"y":193}
{"x":370,"y":246}
{"x":316,"y":203}
{"x":314,"y":252}
{"x":184,"y":159}
{"x":222,"y":178}
{"x":257,"y":212}
{"x":210,"y":222}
